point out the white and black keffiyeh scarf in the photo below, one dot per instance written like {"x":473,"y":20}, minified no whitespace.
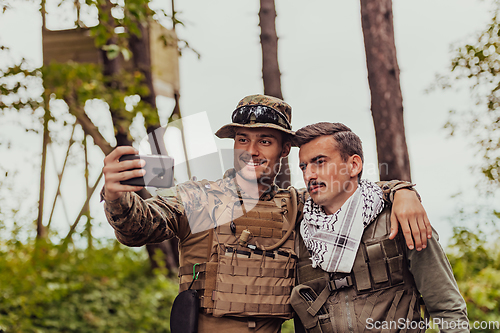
{"x":333,"y":240}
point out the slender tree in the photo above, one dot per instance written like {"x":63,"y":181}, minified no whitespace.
{"x":270,"y":69}
{"x":386,"y":97}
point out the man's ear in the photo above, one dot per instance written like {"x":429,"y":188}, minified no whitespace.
{"x":286,"y":149}
{"x":356,"y":165}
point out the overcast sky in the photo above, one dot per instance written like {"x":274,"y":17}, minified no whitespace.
{"x":324,"y":78}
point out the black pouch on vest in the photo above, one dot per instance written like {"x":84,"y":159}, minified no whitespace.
{"x":184,"y":314}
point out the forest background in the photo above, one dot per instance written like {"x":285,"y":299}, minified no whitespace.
{"x":323,"y":65}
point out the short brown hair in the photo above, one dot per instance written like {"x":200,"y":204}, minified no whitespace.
{"x":348,"y":143}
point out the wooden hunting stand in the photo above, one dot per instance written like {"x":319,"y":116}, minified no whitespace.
{"x":77,"y":45}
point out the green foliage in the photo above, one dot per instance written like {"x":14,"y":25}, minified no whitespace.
{"x":76,"y":83}
{"x":16,"y":86}
{"x":476,"y":266}
{"x":474,"y":255}
{"x":287,"y":326}
{"x":108,"y":289}
{"x":477,"y":64}
{"x":470,"y":255}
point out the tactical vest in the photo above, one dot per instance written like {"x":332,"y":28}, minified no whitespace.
{"x":378,"y":295}
{"x":251,"y":262}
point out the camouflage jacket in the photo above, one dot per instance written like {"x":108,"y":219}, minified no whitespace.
{"x":182,"y":210}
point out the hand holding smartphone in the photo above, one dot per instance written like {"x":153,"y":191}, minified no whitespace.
{"x":159,"y":171}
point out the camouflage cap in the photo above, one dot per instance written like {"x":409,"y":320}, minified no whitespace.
{"x":285,"y":110}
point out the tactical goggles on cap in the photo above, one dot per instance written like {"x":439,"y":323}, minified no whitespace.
{"x":262,"y":114}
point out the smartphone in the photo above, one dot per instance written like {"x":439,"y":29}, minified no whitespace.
{"x":159,"y":171}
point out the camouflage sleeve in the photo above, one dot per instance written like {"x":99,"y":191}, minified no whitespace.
{"x":138,"y":222}
{"x":390,"y":187}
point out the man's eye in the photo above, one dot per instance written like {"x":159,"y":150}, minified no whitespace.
{"x":266,"y":142}
{"x":320,"y":161}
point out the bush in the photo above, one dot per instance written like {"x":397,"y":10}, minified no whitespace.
{"x":476,"y":266}
{"x":108,"y":289}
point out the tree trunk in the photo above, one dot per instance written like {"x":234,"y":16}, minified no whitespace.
{"x":40,"y":229}
{"x":140,"y":48}
{"x":111,"y":67}
{"x":269,"y":41}
{"x":386,"y":98}
{"x":270,"y":69}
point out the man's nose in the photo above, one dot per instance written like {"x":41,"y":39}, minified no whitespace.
{"x":253,"y":149}
{"x":309,"y":174}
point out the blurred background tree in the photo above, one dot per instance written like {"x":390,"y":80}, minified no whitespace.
{"x":385,"y":88}
{"x":474,"y":252}
{"x":103,"y":287}
{"x":113,"y":62}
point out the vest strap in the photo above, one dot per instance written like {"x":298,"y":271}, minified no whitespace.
{"x":307,"y":273}
{"x":256,"y":271}
{"x":253,"y":307}
{"x":197,"y":285}
{"x":188,"y":269}
{"x":271,"y":254}
{"x":256,"y":231}
{"x":367,"y":311}
{"x":252,"y":290}
{"x":410,"y":310}
{"x":319,"y":302}
{"x":392,"y":311}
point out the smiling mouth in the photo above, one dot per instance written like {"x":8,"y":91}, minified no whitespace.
{"x":254,"y":164}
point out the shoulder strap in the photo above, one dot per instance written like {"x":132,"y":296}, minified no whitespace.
{"x":291,"y":214}
{"x":213,"y":203}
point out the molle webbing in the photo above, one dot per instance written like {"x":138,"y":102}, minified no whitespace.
{"x":255,"y":285}
{"x":252,"y":252}
{"x":271,"y":230}
{"x":253,"y":290}
{"x":277,"y":310}
{"x":255,"y":271}
{"x":249,"y":281}
{"x":205,"y":283}
{"x":264,"y":221}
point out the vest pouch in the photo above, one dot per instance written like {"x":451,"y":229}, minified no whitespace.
{"x":253,"y":284}
{"x":302,"y":299}
{"x":184,"y":314}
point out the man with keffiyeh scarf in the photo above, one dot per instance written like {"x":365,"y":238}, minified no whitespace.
{"x":352,"y":277}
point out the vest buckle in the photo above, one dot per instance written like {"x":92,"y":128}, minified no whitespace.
{"x":340,"y":283}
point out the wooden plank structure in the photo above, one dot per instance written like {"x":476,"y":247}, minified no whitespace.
{"x":78,"y":45}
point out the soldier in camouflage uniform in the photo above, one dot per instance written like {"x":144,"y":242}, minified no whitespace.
{"x":210,"y":218}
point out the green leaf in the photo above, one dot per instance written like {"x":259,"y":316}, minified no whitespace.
{"x":112,"y":51}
